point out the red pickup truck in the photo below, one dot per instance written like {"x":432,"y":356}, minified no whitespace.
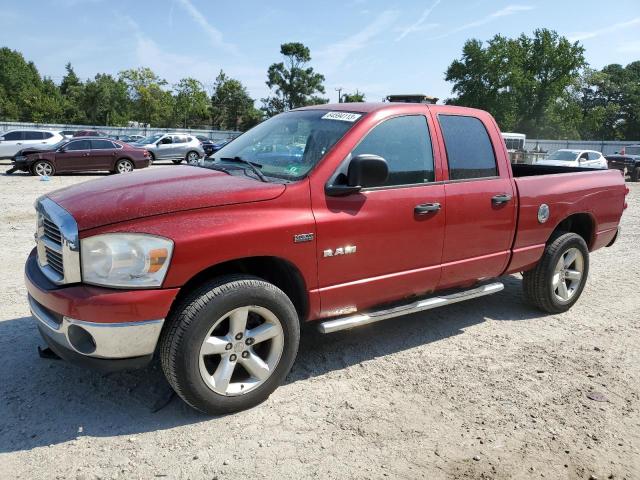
{"x":340,"y":215}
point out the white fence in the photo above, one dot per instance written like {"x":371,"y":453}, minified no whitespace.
{"x":216,"y":135}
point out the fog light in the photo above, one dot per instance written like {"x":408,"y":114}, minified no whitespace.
{"x":81,"y":340}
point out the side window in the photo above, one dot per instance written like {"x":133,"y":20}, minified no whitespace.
{"x":469,"y":150}
{"x":179,"y":139}
{"x":47,"y":135}
{"x":33,"y":135}
{"x":593,"y":156}
{"x":584,"y":156}
{"x":101,"y":145}
{"x":78,"y":145}
{"x":14,"y":136}
{"x":405,"y":144}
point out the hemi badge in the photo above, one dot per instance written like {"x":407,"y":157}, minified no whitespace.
{"x":303,"y":237}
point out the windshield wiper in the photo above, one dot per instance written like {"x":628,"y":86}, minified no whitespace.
{"x":254,"y":166}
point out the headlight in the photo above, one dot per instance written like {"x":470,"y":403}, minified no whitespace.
{"x":125,"y":260}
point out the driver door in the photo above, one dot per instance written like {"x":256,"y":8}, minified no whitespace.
{"x":74,"y":157}
{"x":165,"y":148}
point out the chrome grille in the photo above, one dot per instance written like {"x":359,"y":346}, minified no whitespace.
{"x":57,"y":243}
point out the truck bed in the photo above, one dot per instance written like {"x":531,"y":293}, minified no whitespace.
{"x":529,"y":170}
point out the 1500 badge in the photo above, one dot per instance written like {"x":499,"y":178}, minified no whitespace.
{"x":349,"y":249}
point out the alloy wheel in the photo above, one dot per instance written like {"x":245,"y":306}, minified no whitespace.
{"x":43,"y":169}
{"x":241,"y":350}
{"x":125,"y":166}
{"x":567,"y":275}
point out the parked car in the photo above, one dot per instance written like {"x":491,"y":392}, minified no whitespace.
{"x":627,"y":164}
{"x":128,"y":138}
{"x":575,"y":158}
{"x":14,"y":140}
{"x":90,"y":133}
{"x":173,"y":146}
{"x":219,"y":145}
{"x":630,"y":150}
{"x":82,"y":155}
{"x":215,"y":268}
{"x":68,"y":133}
{"x":207,"y":144}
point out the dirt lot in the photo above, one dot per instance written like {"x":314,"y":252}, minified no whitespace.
{"x":485,"y":389}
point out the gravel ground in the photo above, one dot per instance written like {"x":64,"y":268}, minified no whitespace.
{"x":489,"y":389}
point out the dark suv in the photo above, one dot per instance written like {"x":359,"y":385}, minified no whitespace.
{"x":627,"y":161}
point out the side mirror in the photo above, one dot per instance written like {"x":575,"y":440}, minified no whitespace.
{"x":62,"y":150}
{"x":364,"y":171}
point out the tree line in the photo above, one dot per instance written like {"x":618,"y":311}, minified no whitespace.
{"x":540,"y":85}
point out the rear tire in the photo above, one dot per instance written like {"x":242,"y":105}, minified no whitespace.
{"x":124,"y":165}
{"x":192,"y":157}
{"x":635,"y":174}
{"x":216,"y":361}
{"x":43,"y":168}
{"x":558,"y":279}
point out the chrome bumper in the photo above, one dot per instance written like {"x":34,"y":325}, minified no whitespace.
{"x":99,"y":340}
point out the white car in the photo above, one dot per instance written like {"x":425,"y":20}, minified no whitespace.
{"x":13,"y":141}
{"x":575,"y":158}
{"x":172,"y":146}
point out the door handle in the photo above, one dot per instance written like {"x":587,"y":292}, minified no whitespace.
{"x":425,"y":208}
{"x":501,"y":198}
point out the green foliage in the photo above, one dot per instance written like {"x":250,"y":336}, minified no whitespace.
{"x":191,"y":103}
{"x":294,"y":83}
{"x":520,"y":81}
{"x":353,"y":97}
{"x":231,"y":106}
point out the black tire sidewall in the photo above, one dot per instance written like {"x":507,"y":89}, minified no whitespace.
{"x":259,"y":293}
{"x":562,"y":244}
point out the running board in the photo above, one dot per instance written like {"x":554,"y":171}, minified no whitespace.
{"x":344,"y":323}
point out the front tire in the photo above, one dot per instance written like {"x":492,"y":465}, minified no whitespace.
{"x":42,"y":168}
{"x":635,"y":174}
{"x":558,"y":279}
{"x":230,"y":344}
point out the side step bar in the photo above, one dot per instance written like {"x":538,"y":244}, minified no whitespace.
{"x":353,"y":321}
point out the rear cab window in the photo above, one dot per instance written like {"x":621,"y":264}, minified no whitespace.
{"x":469,"y":149}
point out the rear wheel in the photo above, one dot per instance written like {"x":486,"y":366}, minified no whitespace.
{"x":230,"y":344}
{"x":192,"y":157}
{"x":558,"y":279}
{"x":635,"y":174}
{"x":42,"y":168}
{"x":124,"y":166}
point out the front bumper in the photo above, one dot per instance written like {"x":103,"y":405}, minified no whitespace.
{"x":98,"y":327}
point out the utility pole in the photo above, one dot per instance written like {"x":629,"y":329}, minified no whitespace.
{"x":339,"y":90}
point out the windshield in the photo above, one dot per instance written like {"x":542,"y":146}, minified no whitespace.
{"x":288,"y":145}
{"x":566,"y":155}
{"x":150,"y":139}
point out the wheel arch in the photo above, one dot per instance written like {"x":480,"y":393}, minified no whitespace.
{"x":583,"y":224}
{"x":276,"y":270}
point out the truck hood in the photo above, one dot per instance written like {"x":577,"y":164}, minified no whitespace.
{"x":157,"y":191}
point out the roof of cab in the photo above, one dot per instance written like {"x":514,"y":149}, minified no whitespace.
{"x":368,"y":107}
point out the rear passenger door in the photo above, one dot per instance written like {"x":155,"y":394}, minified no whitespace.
{"x":480,"y":203}
{"x":102,"y":155}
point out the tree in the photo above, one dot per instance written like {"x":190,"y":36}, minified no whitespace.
{"x":21,"y":86}
{"x":152,"y":103}
{"x":191,"y":103}
{"x":353,"y":97}
{"x":105,"y":101}
{"x":231,"y":106}
{"x":294,"y":83}
{"x":520,"y":81}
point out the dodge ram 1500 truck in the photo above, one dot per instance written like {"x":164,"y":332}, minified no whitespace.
{"x":341,"y":215}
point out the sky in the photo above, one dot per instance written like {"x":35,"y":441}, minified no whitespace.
{"x":378,"y":47}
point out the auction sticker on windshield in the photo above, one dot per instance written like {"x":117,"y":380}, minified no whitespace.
{"x":342,"y":116}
